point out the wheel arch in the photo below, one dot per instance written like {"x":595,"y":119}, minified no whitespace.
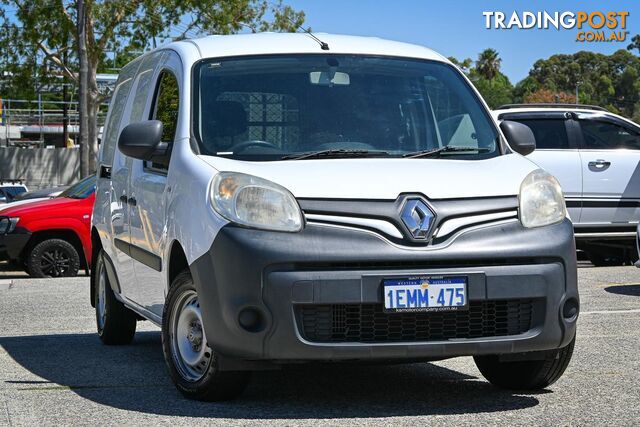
{"x":96,"y":246}
{"x":177,"y":262}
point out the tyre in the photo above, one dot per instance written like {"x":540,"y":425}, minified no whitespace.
{"x":53,"y":258}
{"x":526,"y":375}
{"x":116,"y":323}
{"x":191,"y":361}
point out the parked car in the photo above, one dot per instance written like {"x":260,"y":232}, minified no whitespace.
{"x":43,"y":193}
{"x":268,"y":201}
{"x":10,"y":189}
{"x":596,"y":157}
{"x":50,"y":238}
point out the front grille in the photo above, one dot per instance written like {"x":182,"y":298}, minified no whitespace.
{"x":368,"y":323}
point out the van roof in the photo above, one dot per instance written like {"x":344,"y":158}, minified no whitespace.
{"x":290,"y":43}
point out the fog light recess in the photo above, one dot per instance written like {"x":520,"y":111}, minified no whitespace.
{"x":251,"y":319}
{"x":570,"y":309}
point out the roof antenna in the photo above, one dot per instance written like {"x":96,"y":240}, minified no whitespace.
{"x":307,"y":31}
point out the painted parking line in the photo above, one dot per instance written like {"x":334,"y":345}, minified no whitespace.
{"x":635,"y":310}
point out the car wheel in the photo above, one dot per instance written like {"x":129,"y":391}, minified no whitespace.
{"x":116,"y":323}
{"x":191,"y":361}
{"x":53,"y":258}
{"x":526,"y":375}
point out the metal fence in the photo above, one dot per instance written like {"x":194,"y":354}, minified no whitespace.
{"x":40,"y":123}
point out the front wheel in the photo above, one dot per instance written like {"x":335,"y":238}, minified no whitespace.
{"x":53,"y":258}
{"x":526,"y":375}
{"x":191,"y":361}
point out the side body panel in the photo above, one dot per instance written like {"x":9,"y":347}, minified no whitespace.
{"x":148,"y":216}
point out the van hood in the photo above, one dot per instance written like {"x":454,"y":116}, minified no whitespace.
{"x":388,"y":178}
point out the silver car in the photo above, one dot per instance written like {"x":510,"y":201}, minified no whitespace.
{"x":596,"y":157}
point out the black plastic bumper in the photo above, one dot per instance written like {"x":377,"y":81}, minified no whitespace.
{"x":12,"y":244}
{"x":270,"y":274}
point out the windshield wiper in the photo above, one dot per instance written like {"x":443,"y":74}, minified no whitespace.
{"x":335,"y":154}
{"x":446,"y":149}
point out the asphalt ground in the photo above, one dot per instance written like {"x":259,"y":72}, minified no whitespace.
{"x":55,"y":371}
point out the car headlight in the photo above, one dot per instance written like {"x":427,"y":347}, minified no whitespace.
{"x":255,"y":202}
{"x":541,"y":200}
{"x":7,"y":225}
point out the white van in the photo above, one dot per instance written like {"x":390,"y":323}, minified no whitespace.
{"x":267,"y":199}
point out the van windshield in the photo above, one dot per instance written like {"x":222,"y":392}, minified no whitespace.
{"x":322,"y":106}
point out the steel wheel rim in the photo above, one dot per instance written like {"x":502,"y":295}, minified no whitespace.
{"x":101,"y":305}
{"x":55,"y":262}
{"x":190,"y":351}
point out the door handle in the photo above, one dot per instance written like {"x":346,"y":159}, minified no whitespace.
{"x":599,"y":165}
{"x":132,"y":201}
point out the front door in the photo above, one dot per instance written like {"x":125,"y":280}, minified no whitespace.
{"x":150,"y":192}
{"x":610,"y":156}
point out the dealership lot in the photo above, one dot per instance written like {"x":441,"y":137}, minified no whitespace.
{"x":54,"y":370}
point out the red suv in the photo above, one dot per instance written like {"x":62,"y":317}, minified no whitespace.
{"x":50,"y":238}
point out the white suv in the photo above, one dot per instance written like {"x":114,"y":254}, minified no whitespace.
{"x":267,"y":199}
{"x":596,"y":157}
{"x":9,"y":189}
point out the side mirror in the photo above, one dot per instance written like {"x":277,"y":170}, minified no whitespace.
{"x":143,"y":141}
{"x":519,"y":137}
{"x":3,"y":199}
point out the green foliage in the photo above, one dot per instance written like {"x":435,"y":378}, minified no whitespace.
{"x":635,"y":43}
{"x":168,"y":104}
{"x":496,"y":91}
{"x":39,"y":37}
{"x":495,"y":87}
{"x":488,"y":64}
{"x":610,"y":81}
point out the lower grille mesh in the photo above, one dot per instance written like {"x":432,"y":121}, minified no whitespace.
{"x":368,"y":323}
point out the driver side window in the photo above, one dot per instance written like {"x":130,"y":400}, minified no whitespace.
{"x":165,"y":108}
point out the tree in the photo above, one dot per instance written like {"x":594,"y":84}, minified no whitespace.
{"x":496,"y":92}
{"x":49,"y":27}
{"x":547,"y":96}
{"x":610,"y":81}
{"x":464,"y":65}
{"x":488,"y":63}
{"x":635,"y":43}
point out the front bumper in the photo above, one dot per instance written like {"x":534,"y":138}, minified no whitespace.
{"x":12,"y":244}
{"x":268,"y":279}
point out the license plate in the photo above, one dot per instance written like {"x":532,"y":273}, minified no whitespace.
{"x":425,"y":294}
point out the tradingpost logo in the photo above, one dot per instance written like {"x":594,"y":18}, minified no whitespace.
{"x":599,"y":26}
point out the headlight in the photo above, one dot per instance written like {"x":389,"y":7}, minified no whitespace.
{"x":255,"y":202}
{"x":541,"y":200}
{"x":7,"y":225}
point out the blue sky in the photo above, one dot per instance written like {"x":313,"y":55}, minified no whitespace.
{"x":456,"y":28}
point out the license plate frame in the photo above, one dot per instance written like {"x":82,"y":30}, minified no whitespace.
{"x":432,"y":285}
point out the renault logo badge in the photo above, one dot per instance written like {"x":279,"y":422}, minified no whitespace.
{"x":418,"y":218}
